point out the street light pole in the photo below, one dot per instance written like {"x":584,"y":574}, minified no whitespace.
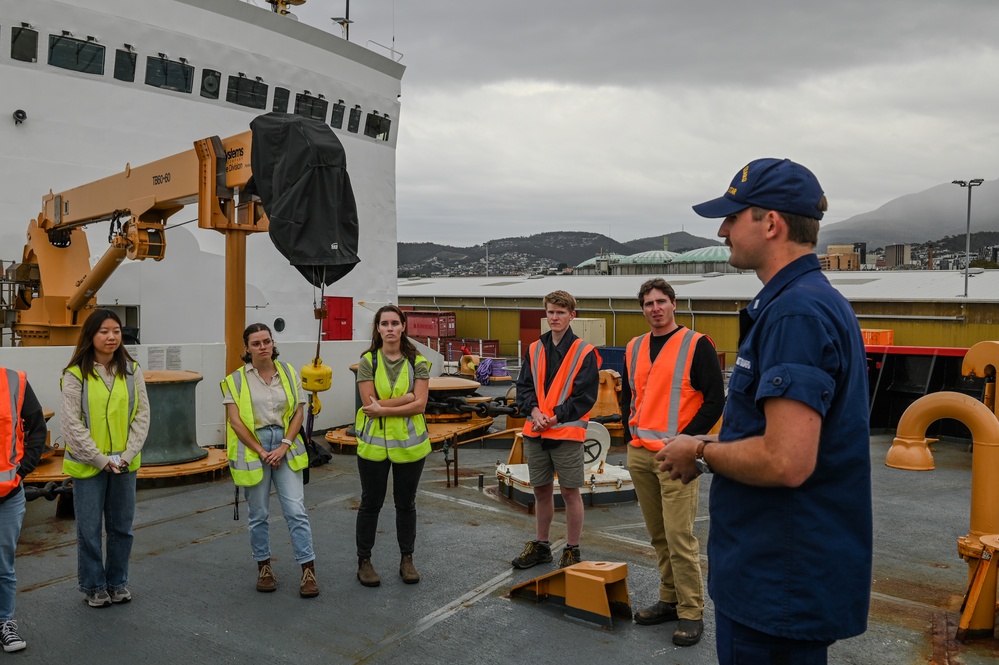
{"x":967,"y":244}
{"x":487,"y":258}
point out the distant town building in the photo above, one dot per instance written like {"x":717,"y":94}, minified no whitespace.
{"x":598,"y":265}
{"x":897,"y":256}
{"x":702,"y":261}
{"x":652,"y":262}
{"x":849,"y":261}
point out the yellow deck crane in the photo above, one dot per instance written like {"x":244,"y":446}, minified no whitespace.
{"x":56,"y":283}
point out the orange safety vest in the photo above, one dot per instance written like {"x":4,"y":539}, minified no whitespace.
{"x":12,"y":385}
{"x":559,"y":391}
{"x":674,"y":401}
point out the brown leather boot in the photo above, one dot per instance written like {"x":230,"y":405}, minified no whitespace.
{"x":309,"y":588}
{"x":266,"y":581}
{"x":407,"y":570}
{"x":366,"y":574}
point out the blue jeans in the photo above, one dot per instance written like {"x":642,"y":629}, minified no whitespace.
{"x":291,"y":491}
{"x":109,"y":497}
{"x":11,"y":516}
{"x":738,"y":644}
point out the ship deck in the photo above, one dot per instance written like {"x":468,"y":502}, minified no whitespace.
{"x":192,"y":579}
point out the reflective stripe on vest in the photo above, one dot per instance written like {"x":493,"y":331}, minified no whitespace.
{"x":680,"y":357}
{"x":574,"y":430}
{"x":401,"y":439}
{"x":245,"y":465}
{"x":14,"y":386}
{"x":103,"y":437}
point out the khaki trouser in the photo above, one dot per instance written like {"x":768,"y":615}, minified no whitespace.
{"x":669,"y":508}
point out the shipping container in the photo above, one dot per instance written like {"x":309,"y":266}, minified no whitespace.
{"x":612,"y":357}
{"x":450,"y":347}
{"x":424,"y":323}
{"x":588,"y":330}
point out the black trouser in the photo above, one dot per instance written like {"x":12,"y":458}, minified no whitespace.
{"x":374,"y":484}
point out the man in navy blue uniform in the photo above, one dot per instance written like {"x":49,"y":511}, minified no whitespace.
{"x":790,"y":542}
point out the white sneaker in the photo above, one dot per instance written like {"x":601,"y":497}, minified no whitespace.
{"x":99,"y":599}
{"x":120,"y":595}
{"x":9,"y":638}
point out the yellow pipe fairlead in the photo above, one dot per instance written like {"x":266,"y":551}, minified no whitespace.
{"x":910,"y":450}
{"x":982,"y":360}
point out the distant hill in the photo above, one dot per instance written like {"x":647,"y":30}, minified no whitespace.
{"x":937,"y":215}
{"x":531,"y":253}
{"x":921,"y":217}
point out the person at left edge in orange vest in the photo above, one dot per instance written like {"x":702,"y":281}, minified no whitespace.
{"x":671,"y":384}
{"x":105,"y":418}
{"x":557,"y":387}
{"x":22,"y":440}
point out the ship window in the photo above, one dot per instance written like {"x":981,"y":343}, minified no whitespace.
{"x":76,"y":54}
{"x":169,"y":75}
{"x":377,"y":127}
{"x":310,"y":107}
{"x":211,"y":80}
{"x":124,"y":65}
{"x":248,"y":92}
{"x":337,"y":119}
{"x":355,"y":119}
{"x":24,"y":44}
{"x":281,"y":97}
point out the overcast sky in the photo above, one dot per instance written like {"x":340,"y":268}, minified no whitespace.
{"x":521,"y":116}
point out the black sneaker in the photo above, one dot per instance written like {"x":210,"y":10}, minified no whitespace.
{"x":570,"y":556}
{"x":535,"y":552}
{"x":9,"y":638}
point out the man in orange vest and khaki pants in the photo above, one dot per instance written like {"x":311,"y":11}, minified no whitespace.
{"x":671,"y":384}
{"x":557,"y":387}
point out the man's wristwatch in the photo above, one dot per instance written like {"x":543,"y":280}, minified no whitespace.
{"x":699,"y":461}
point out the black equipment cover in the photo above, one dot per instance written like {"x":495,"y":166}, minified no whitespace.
{"x":300,"y":174}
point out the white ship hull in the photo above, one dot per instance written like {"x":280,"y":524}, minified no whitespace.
{"x":80,"y":127}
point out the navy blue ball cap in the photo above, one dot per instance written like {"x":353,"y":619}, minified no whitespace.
{"x":771,"y":184}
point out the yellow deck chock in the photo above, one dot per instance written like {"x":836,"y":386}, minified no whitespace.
{"x":591,"y":591}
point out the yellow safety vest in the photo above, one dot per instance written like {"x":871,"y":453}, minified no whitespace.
{"x":399,"y":438}
{"x":245,"y":465}
{"x":108,"y":414}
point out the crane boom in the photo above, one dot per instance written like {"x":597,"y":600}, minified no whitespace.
{"x":138,"y":202}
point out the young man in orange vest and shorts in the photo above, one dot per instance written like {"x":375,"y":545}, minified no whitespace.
{"x":557,"y":387}
{"x":672,"y":384}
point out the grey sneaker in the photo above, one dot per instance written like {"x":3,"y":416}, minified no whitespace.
{"x":570,"y":556}
{"x":121,"y":595}
{"x":9,"y":638}
{"x":535,"y":552}
{"x":99,"y":599}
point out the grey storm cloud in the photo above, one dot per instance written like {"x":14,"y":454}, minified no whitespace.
{"x":520,"y":117}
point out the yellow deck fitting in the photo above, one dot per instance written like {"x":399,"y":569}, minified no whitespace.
{"x":981,"y":591}
{"x":592,"y":591}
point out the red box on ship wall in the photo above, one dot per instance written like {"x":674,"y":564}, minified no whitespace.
{"x":422,"y":323}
